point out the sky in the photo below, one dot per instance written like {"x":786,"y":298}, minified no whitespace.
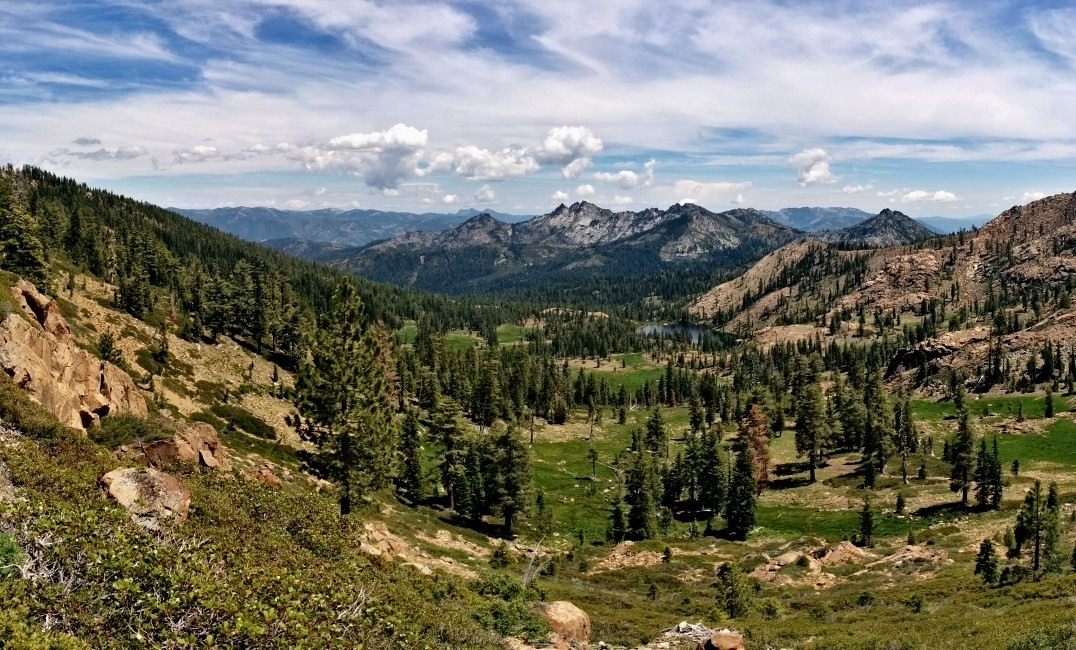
{"x":933,"y":108}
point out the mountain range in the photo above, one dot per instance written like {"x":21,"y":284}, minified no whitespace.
{"x":340,"y":227}
{"x":583,"y":240}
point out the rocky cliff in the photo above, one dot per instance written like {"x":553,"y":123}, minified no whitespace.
{"x":37,"y":352}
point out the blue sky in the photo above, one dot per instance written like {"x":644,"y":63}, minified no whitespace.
{"x":935,"y":108}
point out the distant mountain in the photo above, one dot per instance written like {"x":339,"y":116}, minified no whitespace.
{"x":887,"y":228}
{"x":949,"y":225}
{"x":346,"y":228}
{"x":485,"y":254}
{"x":818,"y":219}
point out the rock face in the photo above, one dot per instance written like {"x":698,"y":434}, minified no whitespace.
{"x":40,"y":356}
{"x":149,"y":495}
{"x":566,"y":619}
{"x":723,"y":640}
{"x":196,"y":444}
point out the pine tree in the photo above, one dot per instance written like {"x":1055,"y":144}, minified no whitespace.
{"x":811,"y":426}
{"x":961,"y":454}
{"x":743,"y":491}
{"x":904,"y":436}
{"x":412,"y":474}
{"x":618,"y":519}
{"x":641,"y":498}
{"x":343,"y":391}
{"x":866,"y":524}
{"x":1049,"y":402}
{"x":986,"y":563}
{"x":513,"y":478}
{"x":734,"y":593}
{"x":711,"y":474}
{"x":756,"y":431}
{"x":984,"y":466}
{"x":21,"y":250}
{"x":657,"y":439}
{"x":997,"y":481}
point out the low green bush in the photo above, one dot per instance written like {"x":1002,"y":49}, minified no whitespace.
{"x":17,"y":409}
{"x":244,"y":420}
{"x":124,"y":429}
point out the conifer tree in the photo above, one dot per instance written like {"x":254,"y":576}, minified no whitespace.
{"x":904,"y":435}
{"x":997,"y":480}
{"x":986,"y":563}
{"x":618,"y":519}
{"x":412,"y":477}
{"x":866,"y":524}
{"x":342,"y":390}
{"x":21,"y":250}
{"x":756,"y":430}
{"x":811,"y":426}
{"x":711,"y":474}
{"x":734,"y":593}
{"x":513,"y":477}
{"x":984,"y":483}
{"x":743,"y":491}
{"x":1049,"y":402}
{"x":961,"y":454}
{"x":657,"y":439}
{"x":641,"y":498}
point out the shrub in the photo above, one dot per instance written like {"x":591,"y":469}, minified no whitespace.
{"x":244,"y":420}
{"x":16,"y":408}
{"x":123,"y":429}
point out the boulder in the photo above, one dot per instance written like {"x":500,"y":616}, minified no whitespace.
{"x":723,"y":640}
{"x":38,"y":354}
{"x":265,"y":475}
{"x":149,"y":495}
{"x":566,"y":619}
{"x":195,"y":444}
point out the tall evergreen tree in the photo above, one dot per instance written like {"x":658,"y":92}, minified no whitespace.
{"x":904,"y":437}
{"x":412,"y":474}
{"x":756,"y":430}
{"x":21,"y":250}
{"x":513,"y":472}
{"x":743,"y":491}
{"x":711,"y":473}
{"x":961,"y":455}
{"x":343,"y":392}
{"x":986,"y":563}
{"x":642,"y":493}
{"x":811,"y":426}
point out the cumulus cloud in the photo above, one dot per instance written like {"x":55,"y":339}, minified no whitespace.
{"x":1033,"y":196}
{"x":739,"y":199}
{"x":813,"y":167}
{"x":561,"y":196}
{"x":450,"y":199}
{"x":564,"y":144}
{"x":196,"y":154}
{"x":120,"y":153}
{"x":922,"y":196}
{"x":691,"y":191}
{"x":622,"y":200}
{"x":485,"y":165}
{"x":383,"y":158}
{"x":856,"y":189}
{"x":86,"y":142}
{"x":575,"y":168}
{"x":585,"y":190}
{"x":628,"y":179}
{"x":485,"y":194}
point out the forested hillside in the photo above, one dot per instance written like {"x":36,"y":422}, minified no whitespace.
{"x":878,"y":443}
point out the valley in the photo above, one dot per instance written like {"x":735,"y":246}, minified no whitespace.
{"x":741,"y":469}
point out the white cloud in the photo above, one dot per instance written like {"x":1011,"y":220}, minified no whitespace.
{"x":120,"y":153}
{"x":585,"y":190}
{"x":399,"y":136}
{"x":628,"y":179}
{"x":196,"y":154}
{"x":450,"y":199}
{"x":857,"y":189}
{"x":485,"y":165}
{"x":561,"y":196}
{"x":922,"y":196}
{"x":691,"y":191}
{"x":563,"y":144}
{"x":485,"y":194}
{"x":1033,"y":196}
{"x":622,"y":200}
{"x":813,"y":167}
{"x":575,"y":168}
{"x":739,"y":199}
